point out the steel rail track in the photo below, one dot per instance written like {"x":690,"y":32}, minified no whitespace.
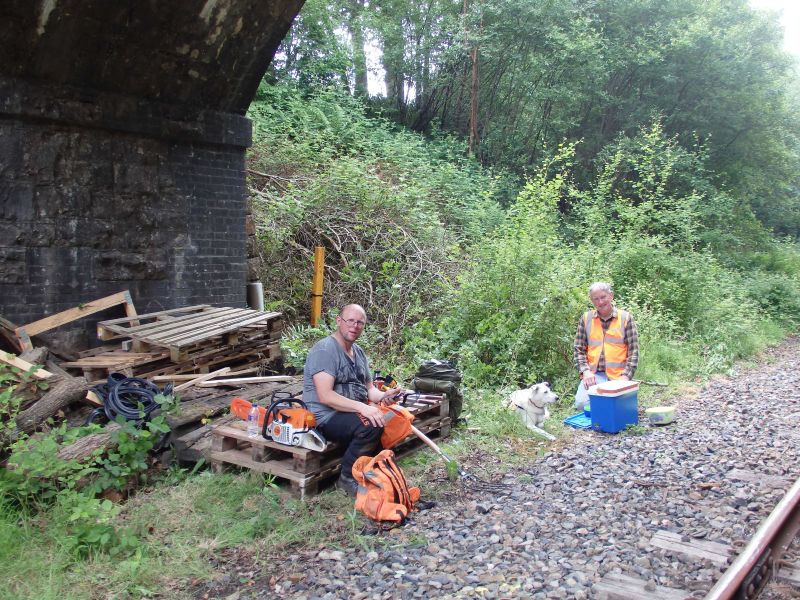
{"x":749,"y":574}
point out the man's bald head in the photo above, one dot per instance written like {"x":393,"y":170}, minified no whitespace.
{"x":348,"y":308}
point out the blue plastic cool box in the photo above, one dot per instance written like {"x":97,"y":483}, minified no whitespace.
{"x":615,"y":405}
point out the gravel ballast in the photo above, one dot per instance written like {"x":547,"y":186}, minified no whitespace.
{"x":591,"y":509}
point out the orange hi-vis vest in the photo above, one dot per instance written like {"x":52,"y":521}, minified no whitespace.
{"x":609,"y":342}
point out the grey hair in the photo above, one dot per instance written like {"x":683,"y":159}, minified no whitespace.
{"x":600,"y":286}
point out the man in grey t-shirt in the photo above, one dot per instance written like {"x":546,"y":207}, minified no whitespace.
{"x":337,"y":388}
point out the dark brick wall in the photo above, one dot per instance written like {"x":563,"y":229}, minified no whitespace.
{"x":89,"y":208}
{"x":122,"y":141}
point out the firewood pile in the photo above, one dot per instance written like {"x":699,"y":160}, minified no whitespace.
{"x":209,"y":355}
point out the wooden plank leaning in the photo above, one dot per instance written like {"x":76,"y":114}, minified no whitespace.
{"x":201,"y":378}
{"x":25,"y":332}
{"x":15,"y":361}
{"x":249,"y":380}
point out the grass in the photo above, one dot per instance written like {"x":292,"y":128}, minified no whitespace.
{"x":184,"y":528}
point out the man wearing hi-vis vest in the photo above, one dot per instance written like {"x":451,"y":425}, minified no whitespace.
{"x":606,"y":343}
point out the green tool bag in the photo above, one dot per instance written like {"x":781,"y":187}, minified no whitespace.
{"x":441,"y":377}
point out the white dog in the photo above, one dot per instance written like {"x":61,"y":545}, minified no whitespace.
{"x":531,"y":406}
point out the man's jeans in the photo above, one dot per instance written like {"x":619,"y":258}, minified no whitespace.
{"x":582,"y":394}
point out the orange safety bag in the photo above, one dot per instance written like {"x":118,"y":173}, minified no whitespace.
{"x":383,"y":493}
{"x":397,"y":425}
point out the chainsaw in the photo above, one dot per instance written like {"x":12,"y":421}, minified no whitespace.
{"x":286,"y":421}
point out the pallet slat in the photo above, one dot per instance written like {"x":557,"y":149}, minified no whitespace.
{"x":155,"y":332}
{"x":160,"y":330}
{"x":212,"y":328}
{"x":171,"y":323}
{"x":181,"y":330}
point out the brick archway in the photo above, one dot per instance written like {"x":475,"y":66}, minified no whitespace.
{"x":122,"y":142}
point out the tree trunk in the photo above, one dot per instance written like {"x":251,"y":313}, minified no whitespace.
{"x":473,"y":104}
{"x":84,"y":447}
{"x":359,"y":56}
{"x":473,"y":90}
{"x":60,"y":395}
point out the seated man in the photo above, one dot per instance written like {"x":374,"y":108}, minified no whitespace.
{"x":337,"y":387}
{"x":606,"y":343}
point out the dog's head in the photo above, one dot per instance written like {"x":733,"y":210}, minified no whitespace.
{"x":540,"y":393}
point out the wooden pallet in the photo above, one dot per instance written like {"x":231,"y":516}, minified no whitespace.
{"x":429,"y":406}
{"x":305,"y":470}
{"x":98,"y":366}
{"x":249,"y":358}
{"x":183,"y":330}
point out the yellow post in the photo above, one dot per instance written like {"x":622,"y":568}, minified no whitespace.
{"x":316,"y":286}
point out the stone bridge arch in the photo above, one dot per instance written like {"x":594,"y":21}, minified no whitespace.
{"x":122,"y":147}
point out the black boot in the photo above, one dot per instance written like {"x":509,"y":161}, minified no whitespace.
{"x":347,"y":484}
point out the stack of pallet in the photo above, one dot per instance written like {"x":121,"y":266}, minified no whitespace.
{"x":307,"y":471}
{"x":189,"y":340}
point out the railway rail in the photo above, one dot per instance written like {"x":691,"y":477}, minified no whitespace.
{"x":764,"y":556}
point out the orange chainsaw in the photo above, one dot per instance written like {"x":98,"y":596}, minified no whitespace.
{"x":283,"y":422}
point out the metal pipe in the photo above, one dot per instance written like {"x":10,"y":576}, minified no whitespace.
{"x":730,"y":581}
{"x":255,"y":295}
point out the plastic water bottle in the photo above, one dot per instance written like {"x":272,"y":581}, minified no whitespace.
{"x":253,"y":430}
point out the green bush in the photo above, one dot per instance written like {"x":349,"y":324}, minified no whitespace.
{"x":516,"y":305}
{"x":777,"y":294}
{"x":391,"y":210}
{"x":37,"y":482}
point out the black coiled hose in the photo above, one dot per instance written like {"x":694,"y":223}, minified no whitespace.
{"x":123,"y":395}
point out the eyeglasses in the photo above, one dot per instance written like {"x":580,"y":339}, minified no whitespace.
{"x":352,"y":322}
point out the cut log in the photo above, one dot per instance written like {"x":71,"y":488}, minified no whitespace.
{"x":37,"y":356}
{"x":195,"y":410}
{"x":93,"y":399}
{"x":61,"y":394}
{"x":84,"y":447}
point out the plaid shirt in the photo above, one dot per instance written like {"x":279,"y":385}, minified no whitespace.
{"x":630,"y":337}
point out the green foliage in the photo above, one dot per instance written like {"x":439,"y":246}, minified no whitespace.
{"x":516,"y":306}
{"x":38,"y":481}
{"x":89,"y":526}
{"x":712,"y":72}
{"x":391,"y":210}
{"x":648,"y":187}
{"x":13,"y":384}
{"x":512,"y":304}
{"x":312,"y":52}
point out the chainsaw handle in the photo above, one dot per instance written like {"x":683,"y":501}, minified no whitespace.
{"x":275,"y":404}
